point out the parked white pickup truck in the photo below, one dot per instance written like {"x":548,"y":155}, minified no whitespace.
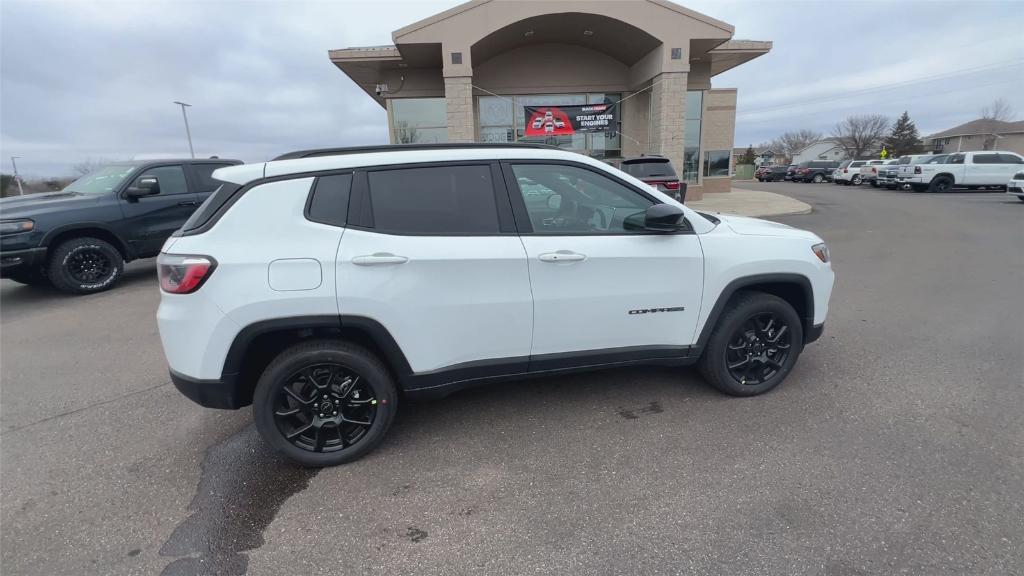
{"x":972,"y":170}
{"x":869,"y":172}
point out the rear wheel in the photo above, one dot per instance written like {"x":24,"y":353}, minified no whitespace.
{"x":856,"y":180}
{"x":818,"y":178}
{"x":324,"y":402}
{"x":85,"y":265}
{"x":941,"y":184}
{"x":754,"y":345}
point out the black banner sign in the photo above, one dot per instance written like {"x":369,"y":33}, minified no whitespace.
{"x":566,"y":120}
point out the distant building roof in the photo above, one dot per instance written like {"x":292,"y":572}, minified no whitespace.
{"x":980,"y":126}
{"x":816,"y":142}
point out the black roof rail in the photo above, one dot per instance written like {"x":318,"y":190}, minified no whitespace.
{"x":400,"y":147}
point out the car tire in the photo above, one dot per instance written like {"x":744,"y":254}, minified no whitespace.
{"x":745,"y":314}
{"x":85,"y":266}
{"x":325,"y":441}
{"x":941,"y":184}
{"x":1021,"y":198}
{"x":856,"y":180}
{"x":818,"y":179}
{"x":874,"y":184}
{"x":34,"y":277}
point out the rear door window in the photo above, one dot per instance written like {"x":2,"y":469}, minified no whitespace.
{"x":1010,"y":159}
{"x":435,"y":200}
{"x":986,"y":158}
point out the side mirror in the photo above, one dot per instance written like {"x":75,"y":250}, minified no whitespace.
{"x":658,"y":218}
{"x":144,"y":186}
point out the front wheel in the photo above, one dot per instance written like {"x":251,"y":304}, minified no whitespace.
{"x":754,"y":345}
{"x":818,"y":178}
{"x":324,"y":402}
{"x":856,"y":180}
{"x":84,"y":266}
{"x":941,"y":184}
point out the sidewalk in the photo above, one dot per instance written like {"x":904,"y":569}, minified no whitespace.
{"x":750,"y":203}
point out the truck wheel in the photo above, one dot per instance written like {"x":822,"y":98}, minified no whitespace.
{"x":856,"y":180}
{"x":324,"y":402}
{"x":874,"y":184}
{"x":34,"y":277}
{"x":85,"y":265}
{"x":818,"y":178}
{"x":754,"y":345}
{"x":941,"y":184}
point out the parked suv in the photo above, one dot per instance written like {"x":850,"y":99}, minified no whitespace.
{"x":849,"y":172}
{"x":78,"y":239}
{"x":773,"y":173}
{"x":656,"y":171}
{"x":326,"y":287}
{"x":815,"y":171}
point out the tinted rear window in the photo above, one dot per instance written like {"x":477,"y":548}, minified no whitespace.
{"x":986,"y":158}
{"x":649,"y":169}
{"x":328,"y":203}
{"x":441,"y":200}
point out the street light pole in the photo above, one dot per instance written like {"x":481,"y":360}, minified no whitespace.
{"x":188,"y":133}
{"x":21,"y":191}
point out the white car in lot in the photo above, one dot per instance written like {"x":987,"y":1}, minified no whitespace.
{"x":971,"y":170}
{"x":849,"y":173}
{"x":1016,"y":185}
{"x":325,"y":287}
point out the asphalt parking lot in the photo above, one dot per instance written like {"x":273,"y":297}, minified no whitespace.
{"x":895,"y":447}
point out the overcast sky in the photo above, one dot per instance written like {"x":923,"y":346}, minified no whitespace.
{"x":96,"y":80}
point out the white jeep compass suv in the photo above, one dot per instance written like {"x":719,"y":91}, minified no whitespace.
{"x":325,"y":287}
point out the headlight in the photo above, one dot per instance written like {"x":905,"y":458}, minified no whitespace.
{"x":821,"y":251}
{"x":16,"y":226}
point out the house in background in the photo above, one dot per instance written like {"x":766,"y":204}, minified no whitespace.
{"x":827,"y":149}
{"x":762,"y":157}
{"x":979,"y":134}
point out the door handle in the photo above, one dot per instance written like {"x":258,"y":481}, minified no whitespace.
{"x":379,"y":259}
{"x":561,"y":256}
{"x":188,"y":203}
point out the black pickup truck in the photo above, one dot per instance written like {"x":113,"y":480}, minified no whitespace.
{"x":78,"y":239}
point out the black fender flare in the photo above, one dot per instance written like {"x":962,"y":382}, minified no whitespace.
{"x":752,"y":281}
{"x":122,"y":245}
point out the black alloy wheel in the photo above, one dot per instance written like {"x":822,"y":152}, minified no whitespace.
{"x":325,"y":408}
{"x":758,"y":349}
{"x":89,"y":265}
{"x":941,"y":184}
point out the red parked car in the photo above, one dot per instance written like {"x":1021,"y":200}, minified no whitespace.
{"x":658,"y":172}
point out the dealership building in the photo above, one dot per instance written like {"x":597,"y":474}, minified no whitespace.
{"x":495,"y":70}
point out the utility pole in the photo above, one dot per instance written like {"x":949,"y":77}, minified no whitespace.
{"x":187,"y":132}
{"x":21,"y":191}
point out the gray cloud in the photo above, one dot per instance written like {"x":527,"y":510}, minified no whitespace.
{"x":96,"y":79}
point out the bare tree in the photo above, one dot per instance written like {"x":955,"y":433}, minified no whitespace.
{"x":795,"y":141}
{"x":999,"y":109}
{"x":861,"y":135}
{"x":88,"y":165}
{"x":404,"y":133}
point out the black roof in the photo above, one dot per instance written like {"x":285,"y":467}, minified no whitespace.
{"x":399,"y":147}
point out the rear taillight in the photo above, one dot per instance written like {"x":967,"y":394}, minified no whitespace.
{"x":671,"y":185}
{"x":845,"y":171}
{"x":917,"y":169}
{"x":183,"y":274}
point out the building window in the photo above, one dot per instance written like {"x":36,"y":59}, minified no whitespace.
{"x":716,"y":163}
{"x":691,"y":144}
{"x":418,"y":120}
{"x":502,"y":119}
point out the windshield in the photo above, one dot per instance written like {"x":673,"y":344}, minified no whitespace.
{"x":649,"y":169}
{"x":102,"y":181}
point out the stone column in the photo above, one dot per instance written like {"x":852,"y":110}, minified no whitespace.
{"x":458,"y":98}
{"x":668,"y":117}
